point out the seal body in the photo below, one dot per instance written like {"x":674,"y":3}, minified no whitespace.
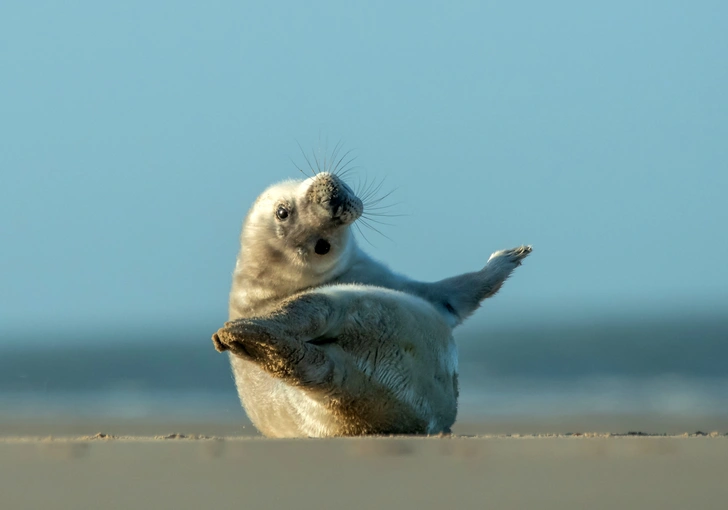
{"x":346,"y":360}
{"x":326,"y":341}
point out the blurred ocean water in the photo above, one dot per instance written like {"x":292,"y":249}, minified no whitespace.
{"x":670,"y":366}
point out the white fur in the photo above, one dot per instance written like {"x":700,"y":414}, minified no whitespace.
{"x":419,"y":317}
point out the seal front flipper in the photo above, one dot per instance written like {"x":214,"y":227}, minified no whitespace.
{"x":461,"y":295}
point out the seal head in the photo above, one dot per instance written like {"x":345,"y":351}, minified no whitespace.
{"x":295,"y":236}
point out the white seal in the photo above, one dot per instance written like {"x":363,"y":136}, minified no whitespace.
{"x":326,"y":341}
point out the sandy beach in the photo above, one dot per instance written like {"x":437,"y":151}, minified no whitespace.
{"x":493,"y":471}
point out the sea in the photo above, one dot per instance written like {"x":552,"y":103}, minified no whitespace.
{"x":662,"y":365}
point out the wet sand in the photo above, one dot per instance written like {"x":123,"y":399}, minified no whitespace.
{"x":196,"y":472}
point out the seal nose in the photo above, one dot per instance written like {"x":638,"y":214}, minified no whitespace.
{"x":327,"y":189}
{"x":336,"y":202}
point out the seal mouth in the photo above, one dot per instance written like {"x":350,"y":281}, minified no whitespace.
{"x":322,"y":247}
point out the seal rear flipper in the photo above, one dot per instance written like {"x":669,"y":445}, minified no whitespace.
{"x":358,"y":403}
{"x":280,"y":343}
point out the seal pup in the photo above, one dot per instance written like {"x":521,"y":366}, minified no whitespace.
{"x":326,"y":341}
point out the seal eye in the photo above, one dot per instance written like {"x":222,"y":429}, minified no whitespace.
{"x":322,"y":247}
{"x":281,"y":213}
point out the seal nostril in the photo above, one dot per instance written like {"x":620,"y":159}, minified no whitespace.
{"x":322,"y":247}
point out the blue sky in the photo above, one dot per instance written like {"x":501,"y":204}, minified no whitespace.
{"x":135,"y":135}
